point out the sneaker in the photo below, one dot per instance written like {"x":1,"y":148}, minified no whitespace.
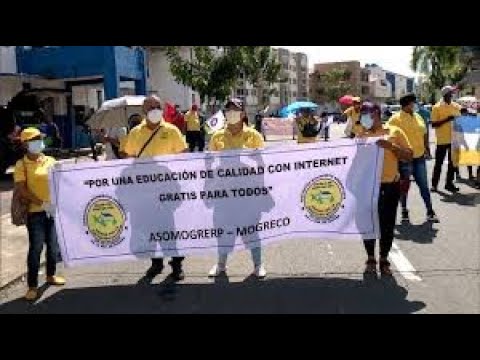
{"x":217,"y":270}
{"x":405,"y":217}
{"x":56,"y":280}
{"x":432,"y":217}
{"x":260,"y":271}
{"x":32,"y":294}
{"x":451,"y":188}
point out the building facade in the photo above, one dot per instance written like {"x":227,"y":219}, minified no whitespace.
{"x":70,"y":81}
{"x":161,"y":82}
{"x":355,"y":76}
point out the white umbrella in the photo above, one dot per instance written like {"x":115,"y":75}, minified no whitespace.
{"x":467,"y":99}
{"x":116,"y":112}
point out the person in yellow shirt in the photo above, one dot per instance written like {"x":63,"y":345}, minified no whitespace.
{"x":194,"y":133}
{"x":236,"y":135}
{"x":353,"y":117}
{"x":155,"y":137}
{"x":443,"y":113}
{"x":31,"y":180}
{"x":414,"y":128}
{"x":396,"y":147}
{"x":308,"y":127}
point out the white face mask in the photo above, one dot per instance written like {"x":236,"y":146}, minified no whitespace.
{"x":233,"y":117}
{"x":36,"y":146}
{"x":155,"y":116}
{"x":367,"y":121}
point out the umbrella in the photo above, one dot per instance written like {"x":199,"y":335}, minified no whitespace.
{"x":468,"y":101}
{"x":346,"y":100}
{"x":296,"y":106}
{"x":116,"y":112}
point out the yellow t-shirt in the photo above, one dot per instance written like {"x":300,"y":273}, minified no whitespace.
{"x":390,"y":162}
{"x":193,"y":121}
{"x":441,"y":111}
{"x":168,"y":140}
{"x":248,"y":138}
{"x":37,"y":178}
{"x":413,"y":127}
{"x":300,"y":124}
{"x":357,"y":128}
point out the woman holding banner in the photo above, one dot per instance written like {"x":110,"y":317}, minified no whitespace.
{"x":31,"y":181}
{"x":236,"y":135}
{"x":396,"y":147}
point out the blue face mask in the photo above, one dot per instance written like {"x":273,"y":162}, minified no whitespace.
{"x":367,"y":121}
{"x":36,"y":146}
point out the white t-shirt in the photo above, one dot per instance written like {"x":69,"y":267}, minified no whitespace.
{"x":116,"y":133}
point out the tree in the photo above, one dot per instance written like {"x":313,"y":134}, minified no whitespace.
{"x":261,"y":69}
{"x":442,"y":65}
{"x":333,"y":84}
{"x":211,"y":72}
{"x":214,"y":71}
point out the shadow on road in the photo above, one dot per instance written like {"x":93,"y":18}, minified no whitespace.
{"x":461,"y":199}
{"x":286,"y":296}
{"x":422,"y":234}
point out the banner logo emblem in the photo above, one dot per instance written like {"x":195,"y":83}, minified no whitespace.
{"x":322,"y":199}
{"x":105,"y":220}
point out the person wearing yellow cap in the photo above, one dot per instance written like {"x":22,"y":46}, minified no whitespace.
{"x":353,"y":117}
{"x":31,"y":180}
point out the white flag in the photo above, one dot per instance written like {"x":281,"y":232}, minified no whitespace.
{"x":217,"y":121}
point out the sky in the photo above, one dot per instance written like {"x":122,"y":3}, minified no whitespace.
{"x":392,"y":58}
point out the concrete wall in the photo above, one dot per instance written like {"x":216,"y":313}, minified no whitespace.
{"x":161,"y":81}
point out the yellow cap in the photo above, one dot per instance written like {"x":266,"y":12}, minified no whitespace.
{"x":356,"y":99}
{"x":29,"y":134}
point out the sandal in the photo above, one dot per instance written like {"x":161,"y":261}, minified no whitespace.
{"x":371,"y":266}
{"x":385,"y":268}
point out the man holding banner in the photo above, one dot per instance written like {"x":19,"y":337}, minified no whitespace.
{"x":236,"y":135}
{"x":154,"y":137}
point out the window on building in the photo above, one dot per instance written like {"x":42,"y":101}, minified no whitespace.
{"x":294,"y":94}
{"x":240,"y":92}
{"x":254,"y":92}
{"x":99,"y":98}
{"x":294,"y":81}
{"x":365,"y":90}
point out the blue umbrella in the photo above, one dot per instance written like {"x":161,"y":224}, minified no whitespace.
{"x":296,"y":106}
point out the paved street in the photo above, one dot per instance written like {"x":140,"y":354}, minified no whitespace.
{"x":436,"y":270}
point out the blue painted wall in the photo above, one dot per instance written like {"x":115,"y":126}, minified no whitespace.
{"x":113,"y":63}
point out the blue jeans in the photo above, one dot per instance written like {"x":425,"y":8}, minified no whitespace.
{"x":418,"y":168}
{"x":41,"y":229}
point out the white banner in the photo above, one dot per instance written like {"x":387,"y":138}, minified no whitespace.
{"x":189,"y":203}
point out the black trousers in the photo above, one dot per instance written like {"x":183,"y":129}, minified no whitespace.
{"x":195,"y":139}
{"x":387,"y":214}
{"x":176,"y":263}
{"x":440,"y":153}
